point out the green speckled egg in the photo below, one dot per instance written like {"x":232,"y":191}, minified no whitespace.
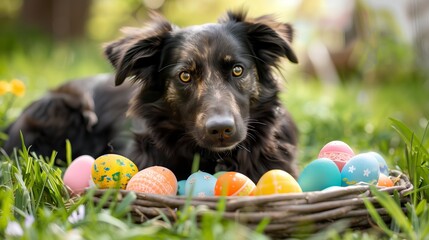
{"x":112,"y":171}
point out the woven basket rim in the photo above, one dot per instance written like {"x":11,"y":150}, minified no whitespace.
{"x":287,"y":212}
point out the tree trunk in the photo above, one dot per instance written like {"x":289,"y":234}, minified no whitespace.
{"x":61,"y":19}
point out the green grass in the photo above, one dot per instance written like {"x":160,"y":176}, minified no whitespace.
{"x":32,"y":186}
{"x":354,"y":111}
{"x":414,"y":224}
{"x":42,"y":64}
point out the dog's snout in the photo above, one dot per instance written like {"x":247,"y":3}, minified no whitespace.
{"x":220,"y":126}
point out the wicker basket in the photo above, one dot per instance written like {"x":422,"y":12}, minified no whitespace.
{"x":288,"y":213}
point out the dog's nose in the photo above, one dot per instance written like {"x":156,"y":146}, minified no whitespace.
{"x":220,"y":126}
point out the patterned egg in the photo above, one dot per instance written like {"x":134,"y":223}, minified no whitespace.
{"x":200,"y":184}
{"x":319,"y":174}
{"x":360,"y":168}
{"x":112,"y":171}
{"x":234,"y":184}
{"x":384,"y":181}
{"x":338,"y":151}
{"x":381,"y":162}
{"x":77,"y":176}
{"x":275,"y":182}
{"x":181,"y":187}
{"x":218,"y":174}
{"x":156,"y":180}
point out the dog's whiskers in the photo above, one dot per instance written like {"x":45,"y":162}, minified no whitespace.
{"x":250,"y":136}
{"x":241,"y":146}
{"x":170,"y":65}
{"x":219,"y":157}
{"x":253,"y":121}
{"x":255,"y":57}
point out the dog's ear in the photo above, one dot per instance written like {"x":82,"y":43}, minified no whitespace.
{"x":269,"y":38}
{"x":77,"y":101}
{"x":136,"y":54}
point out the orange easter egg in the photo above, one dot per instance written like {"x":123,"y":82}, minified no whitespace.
{"x":233,"y":184}
{"x":156,"y":180}
{"x":275,"y":182}
{"x":384,"y":181}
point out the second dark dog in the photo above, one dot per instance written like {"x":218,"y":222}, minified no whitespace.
{"x":89,"y":112}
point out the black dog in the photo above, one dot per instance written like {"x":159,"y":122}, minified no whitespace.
{"x":209,"y":89}
{"x":90,"y":113}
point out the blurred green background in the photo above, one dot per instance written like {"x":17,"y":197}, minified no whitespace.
{"x":361,"y":62}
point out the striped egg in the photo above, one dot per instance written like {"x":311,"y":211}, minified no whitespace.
{"x":155,"y":179}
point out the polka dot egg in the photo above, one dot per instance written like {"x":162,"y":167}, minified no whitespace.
{"x":234,"y":184}
{"x":112,"y":171}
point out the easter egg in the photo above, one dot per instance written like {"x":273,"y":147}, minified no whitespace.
{"x":112,"y":171}
{"x":384,"y":181}
{"x":181,"y":187}
{"x":200,"y":184}
{"x":381,"y":162}
{"x":77,"y":176}
{"x":276,"y":181}
{"x":234,"y":184}
{"x":332,"y":188}
{"x":156,"y":180}
{"x":218,"y":174}
{"x":319,"y":174}
{"x":360,"y":168}
{"x":338,"y":151}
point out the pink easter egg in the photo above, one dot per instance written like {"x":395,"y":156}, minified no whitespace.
{"x":338,"y":151}
{"x":77,"y":176}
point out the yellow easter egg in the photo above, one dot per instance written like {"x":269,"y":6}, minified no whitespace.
{"x":276,"y":182}
{"x":112,"y":171}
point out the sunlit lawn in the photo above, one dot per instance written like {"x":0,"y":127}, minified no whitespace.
{"x":354,"y":111}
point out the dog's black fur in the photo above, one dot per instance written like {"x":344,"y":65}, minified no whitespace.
{"x":211,"y":90}
{"x":89,"y":112}
{"x":207,"y":90}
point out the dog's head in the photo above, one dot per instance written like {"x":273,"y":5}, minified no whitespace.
{"x":209,"y":76}
{"x":63,"y":113}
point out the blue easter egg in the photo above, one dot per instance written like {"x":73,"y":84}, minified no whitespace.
{"x":319,"y":174}
{"x":200,"y":184}
{"x":333,"y":188}
{"x":360,"y":168}
{"x":381,"y":162}
{"x":181,"y":187}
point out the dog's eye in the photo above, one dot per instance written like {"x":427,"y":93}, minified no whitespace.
{"x":185,"y":77}
{"x":237,"y":71}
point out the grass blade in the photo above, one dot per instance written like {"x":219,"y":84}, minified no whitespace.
{"x":377,"y":218}
{"x":395,"y":211}
{"x":407,"y":135}
{"x":125,"y":205}
{"x":68,"y":152}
